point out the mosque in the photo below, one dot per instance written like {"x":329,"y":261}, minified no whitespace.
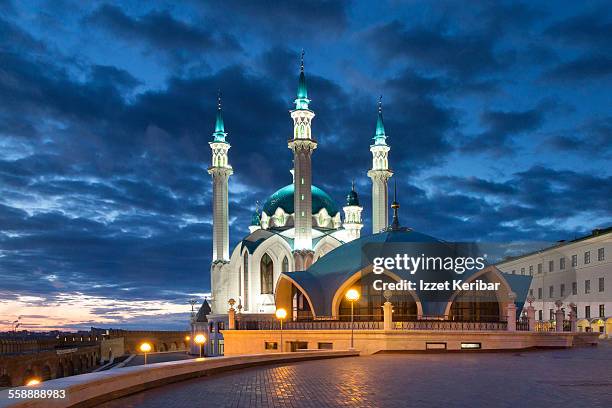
{"x":304,"y":251}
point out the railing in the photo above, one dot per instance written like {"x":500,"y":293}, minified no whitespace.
{"x":374,"y":322}
{"x":449,"y":325}
{"x":522,"y":325}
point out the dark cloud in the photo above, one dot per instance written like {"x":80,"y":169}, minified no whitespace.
{"x":502,"y":127}
{"x":162,"y":31}
{"x":585,"y":68}
{"x":592,"y":29}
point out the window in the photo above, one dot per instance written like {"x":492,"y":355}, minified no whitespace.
{"x":602,"y":310}
{"x":551,"y":291}
{"x":522,"y":271}
{"x":285,"y":267}
{"x":326,"y":346}
{"x":551,"y":266}
{"x":562,"y":289}
{"x":271,"y":345}
{"x":531,"y":292}
{"x":539,"y":293}
{"x":561,"y":263}
{"x":600,"y":254}
{"x":267,"y":275}
{"x":551,"y":314}
{"x":530,"y":270}
{"x":587,"y":257}
{"x":220,"y":326}
{"x":587,"y":286}
{"x":539,"y":268}
{"x":574,"y":288}
{"x":574,"y":260}
{"x":539,"y":315}
{"x":587,"y":312}
{"x":601,"y":284}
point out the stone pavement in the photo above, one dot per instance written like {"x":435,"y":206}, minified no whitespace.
{"x":580,"y":377}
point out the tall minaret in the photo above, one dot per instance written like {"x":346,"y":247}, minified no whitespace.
{"x":302,"y":146}
{"x":220,"y":170}
{"x":380,"y":174}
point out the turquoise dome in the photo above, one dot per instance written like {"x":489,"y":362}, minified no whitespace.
{"x":283,"y":198}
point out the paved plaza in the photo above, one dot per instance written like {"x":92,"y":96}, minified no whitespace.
{"x":580,"y":377}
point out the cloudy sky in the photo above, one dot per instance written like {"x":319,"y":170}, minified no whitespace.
{"x":499,"y":121}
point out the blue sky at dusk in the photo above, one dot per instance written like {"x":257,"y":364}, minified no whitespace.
{"x":498,"y":115}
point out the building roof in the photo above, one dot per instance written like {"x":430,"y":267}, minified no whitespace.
{"x":595,"y":233}
{"x":202,"y":312}
{"x":324,"y":277}
{"x":283,"y":198}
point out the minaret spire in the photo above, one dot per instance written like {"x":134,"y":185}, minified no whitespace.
{"x":302,"y":101}
{"x":380,"y":174}
{"x":395,"y":225}
{"x":219,"y":134}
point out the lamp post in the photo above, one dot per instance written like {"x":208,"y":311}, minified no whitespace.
{"x":352,"y":295}
{"x":280,"y":315}
{"x":145,"y":348}
{"x":200,"y":339}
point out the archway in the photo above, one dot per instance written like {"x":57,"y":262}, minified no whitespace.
{"x":164,"y":347}
{"x":174,"y":346}
{"x":609,"y":327}
{"x":583,"y":325}
{"x":28,"y":375}
{"x":598,"y":326}
{"x":266,"y":268}
{"x":371,"y":300}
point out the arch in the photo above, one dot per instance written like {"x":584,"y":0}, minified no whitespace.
{"x":598,"y":325}
{"x":341,"y":291}
{"x":502,"y":296}
{"x":285,"y":265}
{"x":283,"y":294}
{"x":266,"y":273}
{"x":164,"y":347}
{"x":609,"y":327}
{"x":28,"y":375}
{"x":583,"y":325}
{"x":45,"y":373}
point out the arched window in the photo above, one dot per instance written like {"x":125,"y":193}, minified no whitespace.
{"x":285,"y":265}
{"x":245,"y":271}
{"x":267,"y":274}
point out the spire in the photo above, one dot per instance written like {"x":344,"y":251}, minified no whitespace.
{"x":395,"y":225}
{"x":302,"y":101}
{"x":219,"y":134}
{"x":380,"y":136}
{"x":255,"y":219}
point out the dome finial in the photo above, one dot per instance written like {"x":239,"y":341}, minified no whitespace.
{"x":380,"y":104}
{"x":219,"y":99}
{"x":352,"y":198}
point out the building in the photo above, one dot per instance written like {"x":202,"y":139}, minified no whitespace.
{"x":303,"y":253}
{"x":577,"y":272}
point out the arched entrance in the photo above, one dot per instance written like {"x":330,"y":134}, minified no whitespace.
{"x":609,"y":327}
{"x":476,"y":306}
{"x":46,"y":373}
{"x":583,"y":325}
{"x":5,"y":381}
{"x":369,"y":305}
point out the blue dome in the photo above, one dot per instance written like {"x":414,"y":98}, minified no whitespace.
{"x":283,"y":198}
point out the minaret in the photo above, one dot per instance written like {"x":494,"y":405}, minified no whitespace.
{"x":220,"y":170}
{"x":380,"y":174}
{"x":352,"y":215}
{"x":255,"y":219}
{"x":302,"y":146}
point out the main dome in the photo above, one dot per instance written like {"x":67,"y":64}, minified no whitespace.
{"x":283,"y":198}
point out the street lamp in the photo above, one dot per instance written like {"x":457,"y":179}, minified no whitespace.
{"x":280,"y":315}
{"x":200,"y":339}
{"x":352,"y":295}
{"x":145,"y":348}
{"x":33,"y":381}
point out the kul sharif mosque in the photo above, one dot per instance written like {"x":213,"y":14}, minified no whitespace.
{"x":304,"y":252}
{"x":297,"y":225}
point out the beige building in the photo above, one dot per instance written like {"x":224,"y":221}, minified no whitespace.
{"x":575,"y":272}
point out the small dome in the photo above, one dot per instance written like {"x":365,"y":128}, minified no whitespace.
{"x":352,"y":198}
{"x":283,"y":198}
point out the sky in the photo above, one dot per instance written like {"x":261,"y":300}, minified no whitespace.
{"x":498,"y":116}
